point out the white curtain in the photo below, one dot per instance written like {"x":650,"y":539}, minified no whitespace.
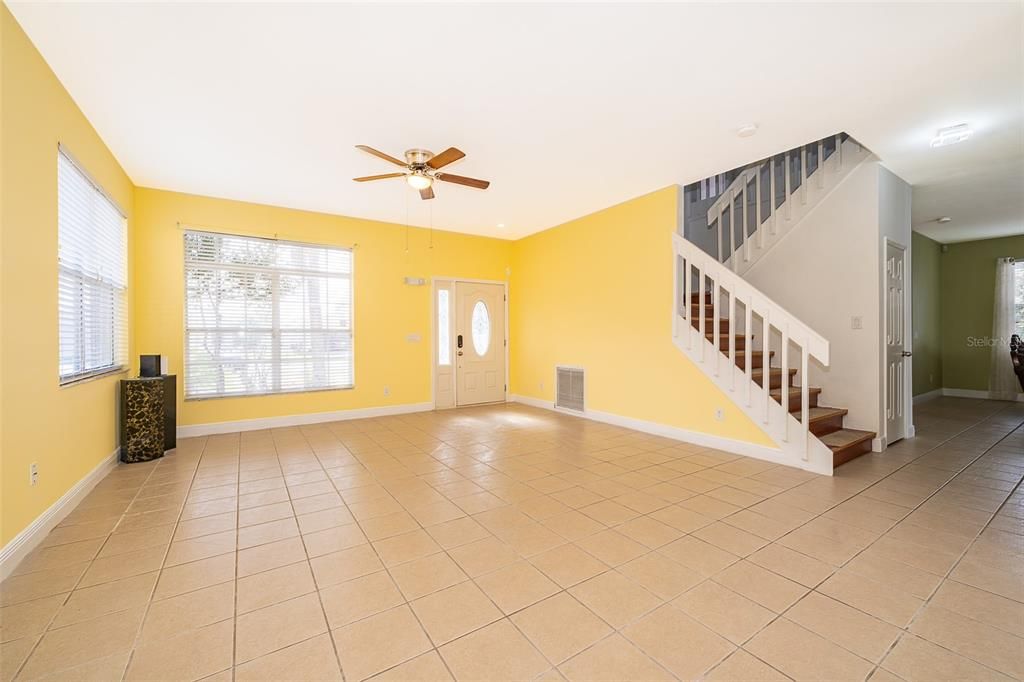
{"x":1002,"y":382}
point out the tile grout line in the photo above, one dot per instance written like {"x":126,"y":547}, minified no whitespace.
{"x":491,"y":534}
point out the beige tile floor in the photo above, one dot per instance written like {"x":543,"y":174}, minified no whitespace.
{"x":507,"y":543}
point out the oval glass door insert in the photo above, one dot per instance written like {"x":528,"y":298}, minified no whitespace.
{"x":481,"y":324}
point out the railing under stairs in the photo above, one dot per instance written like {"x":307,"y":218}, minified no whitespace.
{"x":769,"y":197}
{"x":704,"y":289}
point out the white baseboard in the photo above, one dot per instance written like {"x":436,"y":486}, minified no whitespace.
{"x":930,"y":395}
{"x":29,"y":538}
{"x":973,"y":394}
{"x":736,"y":447}
{"x":299,"y":419}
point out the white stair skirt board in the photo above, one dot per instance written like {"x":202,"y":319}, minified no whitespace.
{"x":28,"y":539}
{"x":213,"y":428}
{"x":976,"y":395}
{"x":707,"y":440}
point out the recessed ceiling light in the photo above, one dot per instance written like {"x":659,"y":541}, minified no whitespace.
{"x":501,"y":224}
{"x":944,"y":219}
{"x":952,"y":135}
{"x":747,"y":129}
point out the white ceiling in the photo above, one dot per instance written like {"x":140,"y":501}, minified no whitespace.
{"x":566,"y":108}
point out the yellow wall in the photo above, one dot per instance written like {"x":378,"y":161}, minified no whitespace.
{"x":67,"y":431}
{"x":597,"y":292}
{"x":386,"y":309}
{"x":594,"y":292}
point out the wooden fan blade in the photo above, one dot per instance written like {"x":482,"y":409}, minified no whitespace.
{"x":462,"y":180}
{"x":449,"y":155}
{"x":427,"y":193}
{"x":378,"y":177}
{"x":380,"y":155}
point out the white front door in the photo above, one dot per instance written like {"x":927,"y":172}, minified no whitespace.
{"x":479,"y":343}
{"x":895,"y":343}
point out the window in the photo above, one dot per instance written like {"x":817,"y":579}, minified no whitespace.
{"x":92,"y":276}
{"x":481,"y":324}
{"x":1018,"y":297}
{"x":444,"y":339}
{"x":265,"y":316}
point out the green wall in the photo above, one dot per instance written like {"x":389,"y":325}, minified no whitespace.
{"x":926,"y":280}
{"x":968,"y":279}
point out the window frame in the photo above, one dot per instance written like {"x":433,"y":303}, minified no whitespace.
{"x":186,"y":230}
{"x":120,"y":325}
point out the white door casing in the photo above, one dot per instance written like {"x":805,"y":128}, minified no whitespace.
{"x":480,"y":357}
{"x":895,"y":342}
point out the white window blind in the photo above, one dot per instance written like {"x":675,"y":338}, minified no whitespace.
{"x":265,"y":316}
{"x":92,"y":276}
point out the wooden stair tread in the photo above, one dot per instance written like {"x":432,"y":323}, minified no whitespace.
{"x":844,"y":438}
{"x":773,"y":371}
{"x":821,"y":413}
{"x":794,"y":391}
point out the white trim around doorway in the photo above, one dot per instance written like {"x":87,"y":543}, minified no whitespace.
{"x":433,"y":332}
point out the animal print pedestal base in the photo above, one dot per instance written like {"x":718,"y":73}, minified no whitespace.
{"x":142,"y":419}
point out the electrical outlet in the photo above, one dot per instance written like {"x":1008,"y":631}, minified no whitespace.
{"x":931,"y":379}
{"x":33,"y":473}
{"x":856,"y":322}
{"x":542,"y":385}
{"x":719,"y":414}
{"x":387,"y":391}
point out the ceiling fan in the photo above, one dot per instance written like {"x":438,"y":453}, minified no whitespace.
{"x":421,"y":169}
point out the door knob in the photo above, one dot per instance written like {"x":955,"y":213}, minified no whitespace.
{"x":906,"y":353}
{"x":460,"y":353}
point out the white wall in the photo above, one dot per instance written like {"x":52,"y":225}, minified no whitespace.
{"x":825,"y":271}
{"x":894,"y":197}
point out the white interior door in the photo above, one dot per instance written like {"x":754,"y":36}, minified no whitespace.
{"x":895,"y":343}
{"x":479,"y":343}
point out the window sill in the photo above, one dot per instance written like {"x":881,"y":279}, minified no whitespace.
{"x":92,"y":376}
{"x":194,"y":399}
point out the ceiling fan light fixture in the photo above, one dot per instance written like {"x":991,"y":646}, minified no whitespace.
{"x":419,"y":180}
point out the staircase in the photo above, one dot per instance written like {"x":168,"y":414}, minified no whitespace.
{"x":768,"y":198}
{"x":750,"y":346}
{"x":825,"y":423}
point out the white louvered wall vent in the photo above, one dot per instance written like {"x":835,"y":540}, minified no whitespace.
{"x":569,"y":384}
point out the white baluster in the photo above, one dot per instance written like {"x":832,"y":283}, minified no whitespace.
{"x":721,"y":235}
{"x":732,"y":229}
{"x":784,"y":386}
{"x":805,"y":403}
{"x":700,"y":310}
{"x":732,"y":341}
{"x":746,"y":228}
{"x":748,"y":336}
{"x":820,"y":170}
{"x":757,"y":211}
{"x":839,"y":152}
{"x":803,"y":174}
{"x":789,"y":187}
{"x":771,"y":190}
{"x":765,"y":347}
{"x":689,"y":297}
{"x":714,"y":321}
